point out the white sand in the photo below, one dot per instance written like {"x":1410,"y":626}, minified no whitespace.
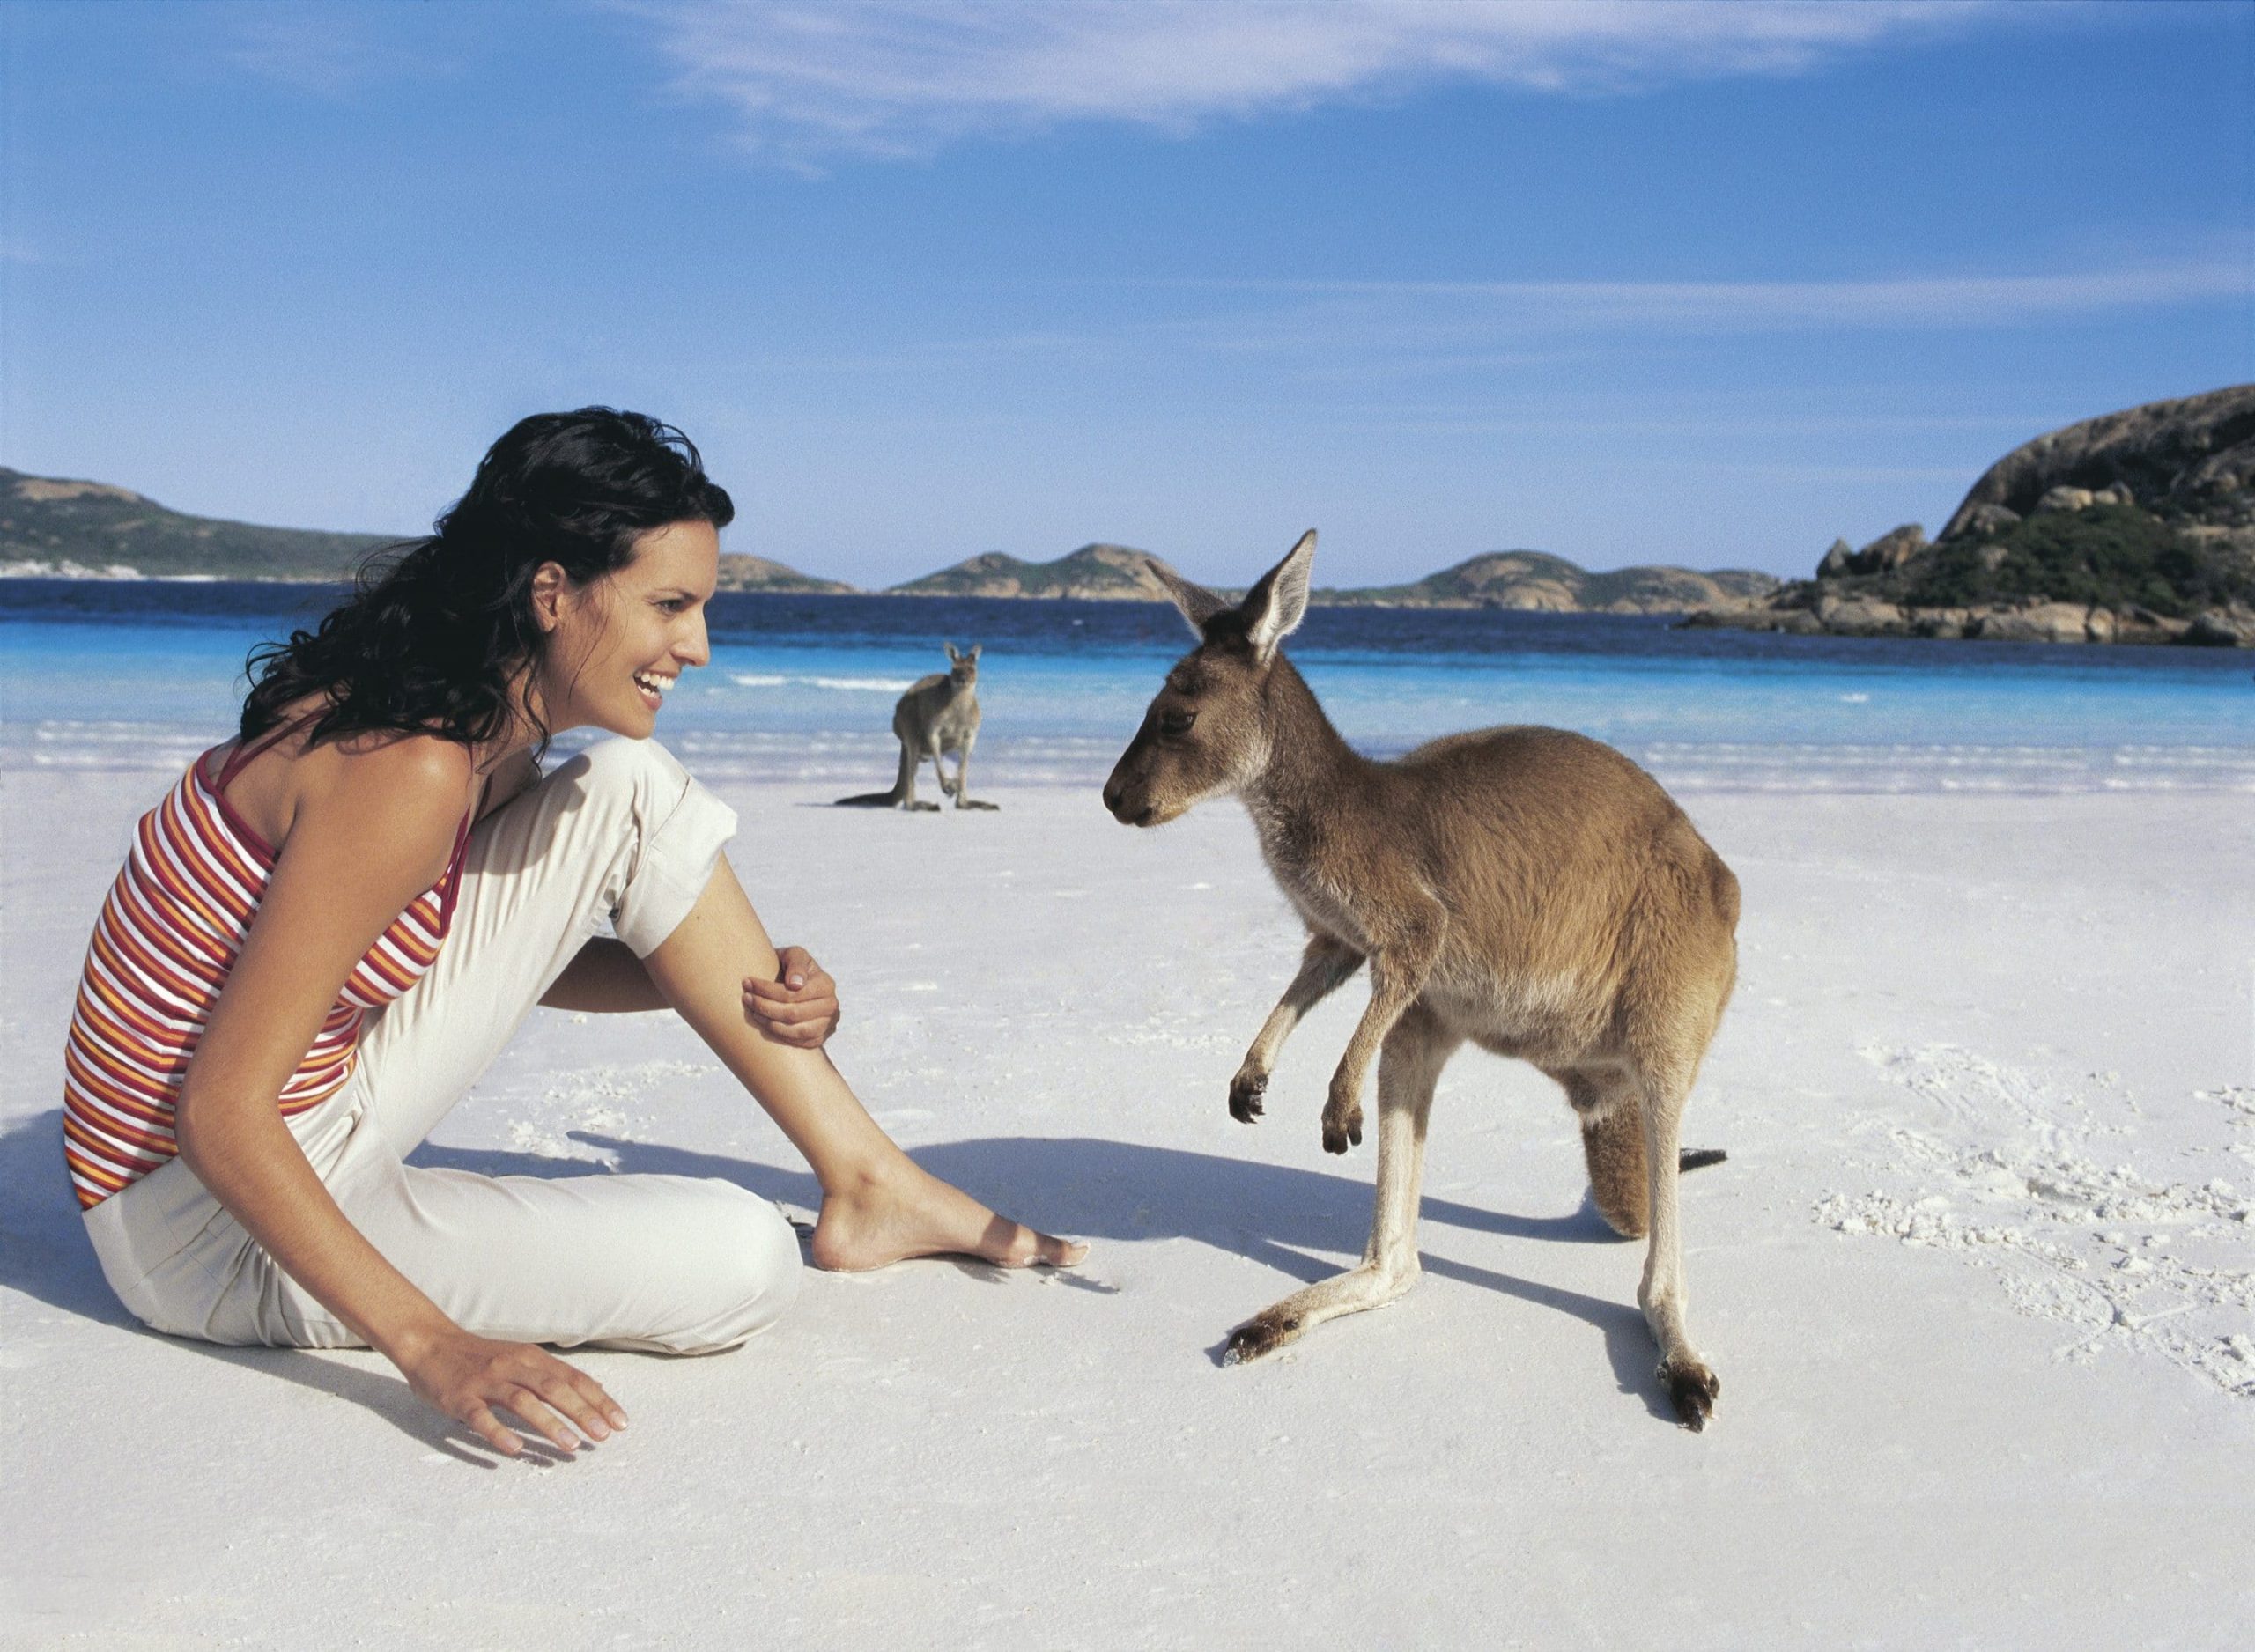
{"x":1970,"y":1278}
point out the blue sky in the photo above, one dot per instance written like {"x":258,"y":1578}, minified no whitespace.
{"x":1686,"y":283}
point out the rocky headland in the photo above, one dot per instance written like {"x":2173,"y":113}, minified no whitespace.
{"x":59,"y":527}
{"x":2138,"y":526}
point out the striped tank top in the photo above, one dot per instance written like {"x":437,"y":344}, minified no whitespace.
{"x":169,"y":934}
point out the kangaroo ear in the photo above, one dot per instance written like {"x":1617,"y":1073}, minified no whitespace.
{"x":975,"y":647}
{"x":952,"y":656}
{"x":1275,"y":606}
{"x":1197,"y":603}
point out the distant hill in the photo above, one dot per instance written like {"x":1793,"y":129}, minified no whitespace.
{"x":741,"y":572}
{"x":2134,"y":527}
{"x":1098,"y":573}
{"x":1535,"y":580}
{"x":53,"y":526}
{"x":1526,"y":579}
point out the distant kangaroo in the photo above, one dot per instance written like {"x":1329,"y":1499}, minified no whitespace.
{"x":938,"y":714}
{"x":1526,"y":888}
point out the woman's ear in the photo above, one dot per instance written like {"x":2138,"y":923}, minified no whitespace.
{"x":549,"y":583}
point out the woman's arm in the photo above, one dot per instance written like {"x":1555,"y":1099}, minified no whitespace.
{"x":799,"y":1006}
{"x":370,"y":831}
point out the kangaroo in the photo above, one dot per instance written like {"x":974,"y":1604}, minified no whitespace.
{"x":938,"y":714}
{"x":1526,"y":889}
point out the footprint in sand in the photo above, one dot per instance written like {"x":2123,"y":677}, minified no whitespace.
{"x":2006,"y":1176}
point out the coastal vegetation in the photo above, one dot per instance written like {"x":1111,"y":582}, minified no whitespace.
{"x":2112,"y":556}
{"x":2133,"y":526}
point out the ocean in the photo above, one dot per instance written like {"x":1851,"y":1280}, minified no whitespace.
{"x":144,"y":674}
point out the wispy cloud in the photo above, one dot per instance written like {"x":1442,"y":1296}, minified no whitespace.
{"x":1468,"y":314}
{"x":903,"y":78}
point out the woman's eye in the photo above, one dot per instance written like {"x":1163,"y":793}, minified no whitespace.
{"x":1176,"y":724}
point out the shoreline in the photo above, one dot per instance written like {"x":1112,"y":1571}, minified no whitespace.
{"x":857,"y":759}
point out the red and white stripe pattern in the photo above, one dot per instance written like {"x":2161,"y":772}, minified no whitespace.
{"x":169,"y":934}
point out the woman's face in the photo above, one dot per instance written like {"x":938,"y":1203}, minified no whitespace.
{"x":617,"y":645}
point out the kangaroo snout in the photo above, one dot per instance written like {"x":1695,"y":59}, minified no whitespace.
{"x":1127,"y":812}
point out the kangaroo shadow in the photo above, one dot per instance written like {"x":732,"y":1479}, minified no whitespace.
{"x":1093,"y":1188}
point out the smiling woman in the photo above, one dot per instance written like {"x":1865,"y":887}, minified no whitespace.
{"x":332,"y":924}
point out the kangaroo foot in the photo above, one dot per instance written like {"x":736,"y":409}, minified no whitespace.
{"x":1264,"y":1334}
{"x":972,"y":802}
{"x":1692,"y":1388}
{"x":921,"y":807}
{"x":1342,"y":1126}
{"x":904,"y":1211}
{"x":1247,"y":1091}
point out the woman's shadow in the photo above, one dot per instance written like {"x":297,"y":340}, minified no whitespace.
{"x":1088,"y":1186}
{"x":45,"y":1255}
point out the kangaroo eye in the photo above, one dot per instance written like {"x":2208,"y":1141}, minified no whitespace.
{"x":1174,"y":725}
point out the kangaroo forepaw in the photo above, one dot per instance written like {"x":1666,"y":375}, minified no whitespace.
{"x":1263,"y":1333}
{"x":1247,"y":1091}
{"x":1692,"y":1388}
{"x":1342,"y":1128}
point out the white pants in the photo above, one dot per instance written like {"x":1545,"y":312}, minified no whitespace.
{"x":619,"y":837}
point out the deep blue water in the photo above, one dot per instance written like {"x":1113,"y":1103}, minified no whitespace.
{"x":1067,"y":682}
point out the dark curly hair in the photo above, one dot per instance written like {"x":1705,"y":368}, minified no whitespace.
{"x":437,"y":628}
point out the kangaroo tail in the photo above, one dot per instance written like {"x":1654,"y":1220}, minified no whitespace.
{"x":868,"y":800}
{"x":1699,"y":1158}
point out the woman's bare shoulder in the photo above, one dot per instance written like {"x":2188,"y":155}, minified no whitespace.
{"x":408,"y":790}
{"x":417,"y":772}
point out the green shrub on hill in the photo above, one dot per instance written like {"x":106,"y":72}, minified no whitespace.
{"x":2115,"y":555}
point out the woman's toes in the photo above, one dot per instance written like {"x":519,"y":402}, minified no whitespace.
{"x":1059,"y":1253}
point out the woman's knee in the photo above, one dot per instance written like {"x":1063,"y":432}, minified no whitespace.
{"x":744,"y":1265}
{"x":623,"y":768}
{"x":677,"y":828}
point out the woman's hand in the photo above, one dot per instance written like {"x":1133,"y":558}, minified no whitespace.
{"x":800,"y":1006}
{"x":466,"y":1376}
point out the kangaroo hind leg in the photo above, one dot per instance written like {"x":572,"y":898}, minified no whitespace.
{"x":1410,"y":1064}
{"x":912,"y":761}
{"x":1613,"y":1144}
{"x":1664,"y":1086}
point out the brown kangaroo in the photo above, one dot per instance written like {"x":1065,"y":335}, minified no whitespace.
{"x":1526,"y":888}
{"x":938,"y":714}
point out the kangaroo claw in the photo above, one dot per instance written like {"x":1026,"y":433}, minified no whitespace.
{"x":1692,"y":1388}
{"x":1246,"y":1094}
{"x":1256,"y":1336}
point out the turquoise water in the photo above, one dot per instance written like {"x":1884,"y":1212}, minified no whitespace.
{"x":804,"y":687}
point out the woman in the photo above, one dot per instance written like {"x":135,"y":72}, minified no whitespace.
{"x":331,"y":926}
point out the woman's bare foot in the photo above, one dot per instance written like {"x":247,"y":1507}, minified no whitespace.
{"x":904,"y":1212}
